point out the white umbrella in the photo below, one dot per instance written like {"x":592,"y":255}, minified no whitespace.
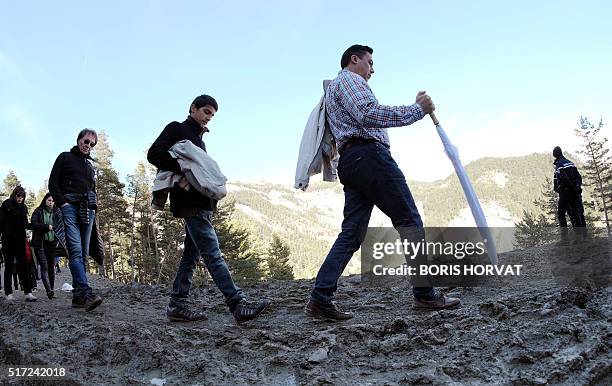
{"x":468,"y":190}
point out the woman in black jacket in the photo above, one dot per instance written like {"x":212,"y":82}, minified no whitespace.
{"x":13,"y":225}
{"x":44,"y":243}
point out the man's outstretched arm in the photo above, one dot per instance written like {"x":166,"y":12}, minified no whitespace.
{"x":358,"y":99}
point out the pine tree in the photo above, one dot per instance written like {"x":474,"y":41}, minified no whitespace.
{"x":144,"y":254}
{"x":170,"y":235}
{"x":534,"y":230}
{"x":112,"y":206}
{"x":241,"y":254}
{"x":598,"y":167}
{"x":539,"y":228}
{"x":42,"y":190}
{"x":278,"y":260}
{"x":10,"y":182}
{"x":30,"y":202}
{"x":547,"y":203}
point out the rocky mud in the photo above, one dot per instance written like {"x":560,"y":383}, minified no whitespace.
{"x":534,"y":334}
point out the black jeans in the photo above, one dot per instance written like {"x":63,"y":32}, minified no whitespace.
{"x":370,"y":177}
{"x":23,"y":270}
{"x":47,"y":264}
{"x":571,"y":203}
{"x":33,"y":269}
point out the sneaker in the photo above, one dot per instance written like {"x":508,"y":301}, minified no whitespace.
{"x":246,"y":311}
{"x":10,"y":297}
{"x":184,"y":314}
{"x":30,"y":298}
{"x":329,"y":312}
{"x":51,"y":295}
{"x":438,"y":301}
{"x":92,"y":301}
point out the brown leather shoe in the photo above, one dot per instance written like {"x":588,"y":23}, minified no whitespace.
{"x":329,"y":312}
{"x":438,"y":302}
{"x":92,"y":301}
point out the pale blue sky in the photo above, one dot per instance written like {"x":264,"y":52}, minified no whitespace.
{"x":507,"y":78}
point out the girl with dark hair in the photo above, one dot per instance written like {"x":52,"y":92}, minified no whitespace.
{"x":13,"y":225}
{"x":44,"y":243}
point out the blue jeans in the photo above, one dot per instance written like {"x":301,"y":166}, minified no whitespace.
{"x":370,"y":177}
{"x":201,"y":240}
{"x":77,"y":241}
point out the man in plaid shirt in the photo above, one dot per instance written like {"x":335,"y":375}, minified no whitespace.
{"x":370,"y":177}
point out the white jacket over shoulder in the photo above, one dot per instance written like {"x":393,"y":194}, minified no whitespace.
{"x":318,"y":150}
{"x":200,"y":171}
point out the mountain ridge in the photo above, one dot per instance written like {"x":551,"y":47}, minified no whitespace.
{"x":309,"y":221}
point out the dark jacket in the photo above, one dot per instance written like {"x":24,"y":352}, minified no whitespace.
{"x":13,"y":225}
{"x":72,"y":172}
{"x":567,"y":179}
{"x":182,"y":203}
{"x":96,"y":246}
{"x":38,"y":220}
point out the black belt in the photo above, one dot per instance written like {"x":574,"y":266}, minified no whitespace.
{"x":356,"y":141}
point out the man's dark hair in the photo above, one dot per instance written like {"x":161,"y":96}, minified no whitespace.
{"x":202,"y":101}
{"x":18,"y":191}
{"x":557,"y":152}
{"x":355,"y":49}
{"x":84,"y":132}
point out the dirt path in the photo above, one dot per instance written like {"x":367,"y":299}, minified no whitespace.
{"x":519,"y":336}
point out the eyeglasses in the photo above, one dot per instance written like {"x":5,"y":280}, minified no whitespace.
{"x":90,"y":143}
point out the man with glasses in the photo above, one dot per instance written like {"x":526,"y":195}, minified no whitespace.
{"x":72,"y":185}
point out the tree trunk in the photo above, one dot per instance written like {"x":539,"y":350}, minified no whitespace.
{"x":600,"y":185}
{"x":132,"y":241}
{"x":111,"y":254}
{"x":155,"y":246}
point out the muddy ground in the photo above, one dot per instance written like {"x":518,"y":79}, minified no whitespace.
{"x":534,"y":334}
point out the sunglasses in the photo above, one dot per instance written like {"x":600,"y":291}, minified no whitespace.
{"x":90,"y":143}
{"x":20,"y":195}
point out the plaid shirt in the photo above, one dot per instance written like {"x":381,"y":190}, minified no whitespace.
{"x":353,"y":111}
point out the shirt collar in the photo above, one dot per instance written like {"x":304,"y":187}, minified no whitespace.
{"x":195,"y":125}
{"x":75,"y":150}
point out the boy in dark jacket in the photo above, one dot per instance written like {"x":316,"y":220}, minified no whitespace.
{"x":197,"y":210}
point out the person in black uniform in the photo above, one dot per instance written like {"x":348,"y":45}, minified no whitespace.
{"x":568,"y":183}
